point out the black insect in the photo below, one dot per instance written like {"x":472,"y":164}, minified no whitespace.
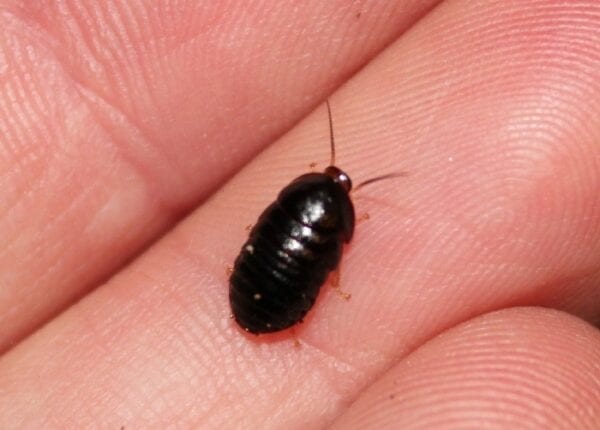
{"x":295,"y":244}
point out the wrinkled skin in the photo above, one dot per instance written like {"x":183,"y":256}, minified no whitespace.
{"x":474,"y":283}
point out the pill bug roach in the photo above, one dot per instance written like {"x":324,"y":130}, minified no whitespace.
{"x":295,"y":244}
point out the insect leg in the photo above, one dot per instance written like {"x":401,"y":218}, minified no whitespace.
{"x":363,"y":217}
{"x":296,"y":342}
{"x":334,"y":281}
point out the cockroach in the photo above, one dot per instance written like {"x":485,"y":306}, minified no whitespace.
{"x":295,"y":244}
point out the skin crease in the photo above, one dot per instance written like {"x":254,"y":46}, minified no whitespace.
{"x":492,"y":107}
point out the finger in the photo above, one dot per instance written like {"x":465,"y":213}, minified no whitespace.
{"x":116,"y":118}
{"x":453,"y":240}
{"x":522,"y":368}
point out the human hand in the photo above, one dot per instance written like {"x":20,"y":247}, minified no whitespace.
{"x":116,"y":120}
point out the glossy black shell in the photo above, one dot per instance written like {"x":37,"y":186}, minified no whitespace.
{"x":294,"y":245}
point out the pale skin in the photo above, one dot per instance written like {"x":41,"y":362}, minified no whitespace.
{"x":474,"y":283}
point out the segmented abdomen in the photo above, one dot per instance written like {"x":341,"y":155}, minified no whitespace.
{"x":278,"y":274}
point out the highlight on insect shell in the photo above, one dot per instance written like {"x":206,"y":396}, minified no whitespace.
{"x":295,"y":244}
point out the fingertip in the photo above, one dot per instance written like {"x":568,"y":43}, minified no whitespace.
{"x":516,"y":368}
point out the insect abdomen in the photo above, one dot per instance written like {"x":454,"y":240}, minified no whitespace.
{"x":286,"y":259}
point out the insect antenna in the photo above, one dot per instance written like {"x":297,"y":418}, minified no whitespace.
{"x":380,"y":178}
{"x":332,"y":161}
{"x":331,"y":140}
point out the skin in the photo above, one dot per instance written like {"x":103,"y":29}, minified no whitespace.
{"x":474,"y":283}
